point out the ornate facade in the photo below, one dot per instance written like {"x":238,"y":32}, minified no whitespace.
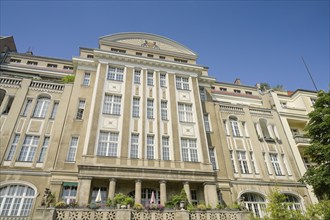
{"x":139,"y":117}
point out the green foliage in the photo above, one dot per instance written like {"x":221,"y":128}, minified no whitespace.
{"x":319,"y":211}
{"x":68,"y":79}
{"x":191,"y":207}
{"x":109,"y":202}
{"x":201,"y":207}
{"x":220,"y":206}
{"x":128,"y":201}
{"x":318,"y":130}
{"x":51,"y":199}
{"x":61,"y":204}
{"x":264,"y":86}
{"x":119,"y":199}
{"x":176,"y":199}
{"x":138,"y":207}
{"x":278,"y":88}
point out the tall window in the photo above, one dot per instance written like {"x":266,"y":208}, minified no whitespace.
{"x":9,"y":104}
{"x":137,"y":76}
{"x":108,"y":144}
{"x":13,"y":147}
{"x":193,"y":194}
{"x":255,"y":203}
{"x":189,"y":150}
{"x":150,"y":147}
{"x":150,"y":108}
{"x":202,"y":94}
{"x":41,"y":107}
{"x":72,"y":150}
{"x":185,"y":112}
{"x":163,"y":108}
{"x":136,"y":107}
{"x":27,"y":107}
{"x":254,"y":167}
{"x":69,"y":192}
{"x":234,"y":126}
{"x":242,"y":161}
{"x":207,"y":123}
{"x":111,"y":104}
{"x":162,"y":80}
{"x":29,"y":148}
{"x":87,"y":79}
{"x":81,"y":108}
{"x":96,"y":190}
{"x":54,"y":111}
{"x":115,"y":73}
{"x":150,"y":79}
{"x":165,"y":148}
{"x":212,"y":158}
{"x":16,"y":200}
{"x":225,"y":126}
{"x":43,"y":150}
{"x":233,"y":161}
{"x":182,"y":83}
{"x":134,"y":146}
{"x":275,"y":164}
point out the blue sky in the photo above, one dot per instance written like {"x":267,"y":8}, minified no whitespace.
{"x":256,"y":41}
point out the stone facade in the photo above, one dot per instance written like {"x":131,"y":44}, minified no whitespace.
{"x":140,"y":118}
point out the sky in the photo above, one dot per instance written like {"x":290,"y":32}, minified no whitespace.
{"x":256,"y":41}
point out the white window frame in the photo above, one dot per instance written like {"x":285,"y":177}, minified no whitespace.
{"x":111,"y":104}
{"x":150,"y":147}
{"x":115,"y":73}
{"x":13,"y":147}
{"x":202,"y":93}
{"x":213,"y":158}
{"x":207,"y":123}
{"x":137,"y":76}
{"x":69,"y":194}
{"x":166,"y":148}
{"x":243,"y":162}
{"x":134,"y":151}
{"x":110,"y":142}
{"x":150,"y":108}
{"x":29,"y":148}
{"x":87,"y":79}
{"x":253,"y":162}
{"x":136,"y":107}
{"x":43,"y":150}
{"x":235,"y":127}
{"x":189,"y":150}
{"x":276,"y":164}
{"x":71,"y":156}
{"x":80,"y":109}
{"x":163,"y":110}
{"x":233,"y":162}
{"x":185,"y":112}
{"x":255,"y":203}
{"x":41,"y":108}
{"x":150,"y":78}
{"x":27,"y":107}
{"x":162,"y":80}
{"x":182,"y":83}
{"x":54,"y":110}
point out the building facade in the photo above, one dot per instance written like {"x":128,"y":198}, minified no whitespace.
{"x":140,"y":117}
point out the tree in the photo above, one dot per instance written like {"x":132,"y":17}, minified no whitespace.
{"x":264,"y":86}
{"x":278,"y":88}
{"x":318,"y":130}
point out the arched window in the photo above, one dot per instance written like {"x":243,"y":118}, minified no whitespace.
{"x":254,"y":203}
{"x":293,"y":202}
{"x":41,"y":107}
{"x":234,"y":126}
{"x":2,"y":95}
{"x":16,"y":200}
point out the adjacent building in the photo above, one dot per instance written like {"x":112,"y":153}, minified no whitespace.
{"x":141,"y":116}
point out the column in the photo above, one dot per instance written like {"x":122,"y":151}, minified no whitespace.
{"x":210,"y":193}
{"x":162,"y":187}
{"x":138,"y":184}
{"x":112,"y":188}
{"x":187,"y":189}
{"x":84,"y":188}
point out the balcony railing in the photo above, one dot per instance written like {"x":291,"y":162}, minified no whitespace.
{"x":300,"y":139}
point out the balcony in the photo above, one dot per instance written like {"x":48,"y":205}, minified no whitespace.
{"x":301,"y":139}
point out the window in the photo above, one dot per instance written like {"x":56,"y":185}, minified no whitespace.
{"x":242,"y":161}
{"x":163,"y":107}
{"x":233,"y":161}
{"x":43,"y":150}
{"x":71,"y":157}
{"x":150,"y":147}
{"x":165,"y":148}
{"x":223,"y":89}
{"x":13,"y":147}
{"x":237,"y":91}
{"x":108,"y":144}
{"x":137,"y":76}
{"x":275,"y":164}
{"x":136,"y":107}
{"x":115,"y":73}
{"x":245,"y":129}
{"x":225,"y":126}
{"x":81,"y":108}
{"x":69,"y":192}
{"x":307,"y":162}
{"x":212,"y":158}
{"x":283,"y":104}
{"x":182,"y":83}
{"x":50,"y":65}
{"x":202,"y":94}
{"x":87,"y":79}
{"x":54,"y":111}
{"x":134,"y":146}
{"x":254,"y":167}
{"x":150,"y":55}
{"x":185,"y":112}
{"x":189,"y":150}
{"x":96,"y":190}
{"x":16,"y":200}
{"x":180,"y":60}
{"x":138,"y":54}
{"x":90,"y":56}
{"x":33,"y":63}
{"x":293,"y":202}
{"x":111,"y":104}
{"x":2,"y":95}
{"x":27,"y":107}
{"x":255,"y":203}
{"x":234,"y":126}
{"x":118,"y":50}
{"x":29,"y":148}
{"x":9,"y":104}
{"x":207,"y":123}
{"x":248,"y":93}
{"x":313,"y":101}
{"x":67,"y":67}
{"x":150,"y":79}
{"x":162,"y":57}
{"x":266,"y":163}
{"x":41,"y":107}
{"x":162,"y":80}
{"x":15,"y":60}
{"x":193,"y":194}
{"x":150,"y":108}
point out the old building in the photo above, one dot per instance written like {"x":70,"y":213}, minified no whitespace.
{"x":140,"y":116}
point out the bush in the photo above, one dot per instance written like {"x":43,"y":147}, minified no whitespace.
{"x":73,"y":204}
{"x":138,"y":207}
{"x":108,"y":203}
{"x":119,"y":199}
{"x":220,"y":206}
{"x":94,"y":205}
{"x":201,"y":207}
{"x":68,"y":79}
{"x":191,"y":207}
{"x":61,"y":204}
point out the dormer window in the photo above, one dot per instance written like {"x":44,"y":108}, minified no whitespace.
{"x":138,"y":54}
{"x":180,"y":60}
{"x":284,"y":104}
{"x":90,"y":56}
{"x":248,"y":93}
{"x":237,"y":91}
{"x":150,"y":55}
{"x":15,"y":60}
{"x":68,"y":68}
{"x":223,"y":89}
{"x":33,"y":63}
{"x":50,"y":65}
{"x":118,"y":50}
{"x":162,"y":57}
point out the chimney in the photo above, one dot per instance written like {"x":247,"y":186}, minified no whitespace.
{"x":237,"y":81}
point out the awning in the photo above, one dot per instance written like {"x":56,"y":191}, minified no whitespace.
{"x":70,"y":184}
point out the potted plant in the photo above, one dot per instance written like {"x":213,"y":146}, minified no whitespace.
{"x":183,"y":199}
{"x":138,"y":207}
{"x":128,"y":201}
{"x":119,"y":200}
